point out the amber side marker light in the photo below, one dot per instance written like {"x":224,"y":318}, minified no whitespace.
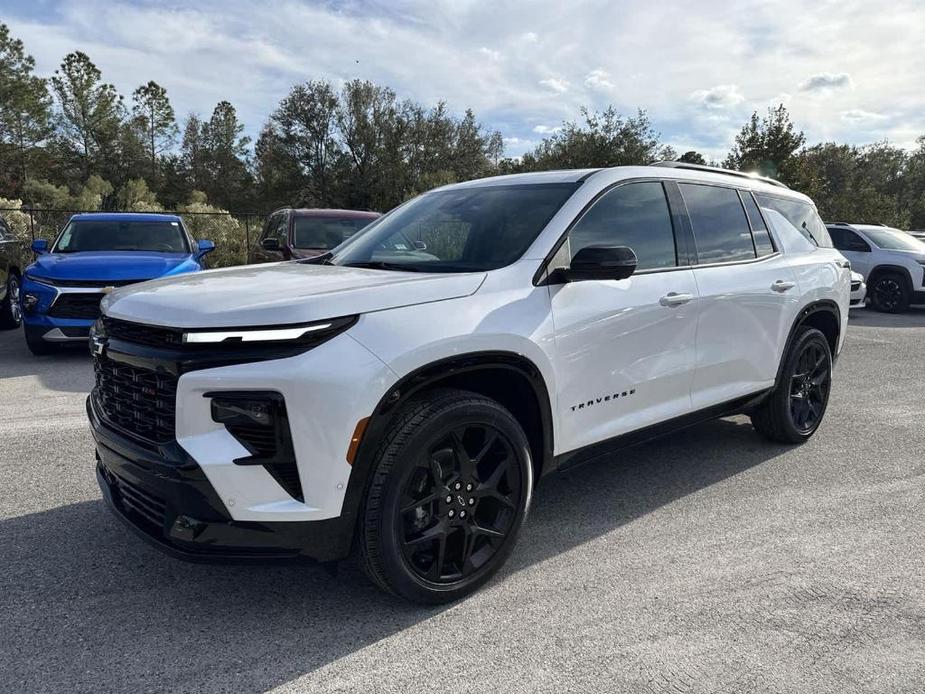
{"x":355,"y":439}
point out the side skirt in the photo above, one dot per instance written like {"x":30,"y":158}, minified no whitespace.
{"x":566,"y":461}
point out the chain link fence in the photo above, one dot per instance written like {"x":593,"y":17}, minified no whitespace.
{"x":234,"y":233}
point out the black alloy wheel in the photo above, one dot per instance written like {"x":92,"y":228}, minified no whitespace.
{"x":889,"y":294}
{"x":459,"y":504}
{"x":10,"y":308}
{"x":450,"y":488}
{"x":809,"y":387}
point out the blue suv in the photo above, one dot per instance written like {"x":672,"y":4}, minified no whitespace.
{"x":94,"y":253}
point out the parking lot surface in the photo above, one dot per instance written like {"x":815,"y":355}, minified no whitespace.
{"x":710,"y":561}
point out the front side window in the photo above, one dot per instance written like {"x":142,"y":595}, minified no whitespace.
{"x":458,"y":230}
{"x":847,"y":240}
{"x":324,"y":233}
{"x":634,"y":215}
{"x":720,"y":227}
{"x":98,"y":235}
{"x":801,"y":215}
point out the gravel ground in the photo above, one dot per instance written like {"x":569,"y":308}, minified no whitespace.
{"x":710,"y":561}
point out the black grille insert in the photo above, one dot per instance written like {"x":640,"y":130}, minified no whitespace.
{"x":84,"y":305}
{"x":139,"y":401}
{"x":142,"y":502}
{"x":150,"y":335}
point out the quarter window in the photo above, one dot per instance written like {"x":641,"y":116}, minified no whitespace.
{"x":801,"y":215}
{"x":721,"y":229}
{"x":634,"y":215}
{"x":763,"y":244}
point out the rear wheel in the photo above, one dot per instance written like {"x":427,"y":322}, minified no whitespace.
{"x":10,"y":309}
{"x":795,"y":408}
{"x":450,"y":490}
{"x":890,"y":293}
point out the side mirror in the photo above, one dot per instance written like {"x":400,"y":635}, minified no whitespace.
{"x":40,"y":246}
{"x":600,"y":263}
{"x":205,"y":246}
{"x":270,"y":244}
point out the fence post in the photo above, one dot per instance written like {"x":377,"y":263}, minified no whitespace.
{"x":247,"y":240}
{"x":32,"y":222}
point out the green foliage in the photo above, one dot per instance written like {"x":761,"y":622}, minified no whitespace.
{"x":155,"y":120}
{"x":205,"y":221}
{"x":692,"y":157}
{"x":137,"y":197}
{"x":766,"y":145}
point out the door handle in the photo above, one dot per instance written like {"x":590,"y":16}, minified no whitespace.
{"x":782,"y":286}
{"x":675,"y":299}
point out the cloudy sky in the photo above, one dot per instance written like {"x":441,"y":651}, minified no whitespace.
{"x":848,"y":70}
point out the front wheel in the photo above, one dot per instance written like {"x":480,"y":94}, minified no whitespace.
{"x":794,"y":409}
{"x":450,"y":490}
{"x":10,"y":309}
{"x":889,"y":293}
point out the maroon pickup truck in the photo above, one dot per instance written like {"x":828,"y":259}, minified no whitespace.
{"x":299,"y":233}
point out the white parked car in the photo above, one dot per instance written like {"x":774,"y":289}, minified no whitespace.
{"x":891,"y":261}
{"x":858,"y":290}
{"x":405,"y":402}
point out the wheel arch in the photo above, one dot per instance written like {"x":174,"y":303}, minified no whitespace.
{"x":890,"y":269}
{"x":825,"y":316}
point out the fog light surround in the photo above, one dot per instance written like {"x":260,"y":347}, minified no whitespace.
{"x":29,"y":301}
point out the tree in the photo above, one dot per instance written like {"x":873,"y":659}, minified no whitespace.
{"x":603,"y":139}
{"x":25,"y":106}
{"x":137,"y":197}
{"x":766,"y":145}
{"x":91,"y":111}
{"x":155,"y":118}
{"x":227,"y":176}
{"x":692,"y":157}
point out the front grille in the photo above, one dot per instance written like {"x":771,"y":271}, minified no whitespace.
{"x":139,"y":401}
{"x":150,"y":335}
{"x":78,"y":305}
{"x":141,"y":502}
{"x":83,"y":282}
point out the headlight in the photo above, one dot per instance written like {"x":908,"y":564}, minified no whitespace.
{"x":306,"y":334}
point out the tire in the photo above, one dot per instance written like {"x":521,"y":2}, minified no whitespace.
{"x":453,"y":473}
{"x":890,"y":293}
{"x":795,"y":408}
{"x":10,"y":308}
{"x":37,"y":345}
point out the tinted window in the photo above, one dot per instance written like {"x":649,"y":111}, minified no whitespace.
{"x":763,"y":244}
{"x":847,"y":240}
{"x":458,"y":230}
{"x":894,"y":240}
{"x":324,"y":232}
{"x":93,"y":235}
{"x":720,"y":228}
{"x":801,"y":215}
{"x":634,"y":215}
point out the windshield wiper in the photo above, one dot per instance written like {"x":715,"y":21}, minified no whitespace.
{"x":323,"y":259}
{"x":382,"y":265}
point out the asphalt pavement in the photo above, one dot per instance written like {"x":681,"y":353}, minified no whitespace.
{"x":710,"y":561}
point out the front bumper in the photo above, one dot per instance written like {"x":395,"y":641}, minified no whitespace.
{"x":54,"y":328}
{"x":166,"y":499}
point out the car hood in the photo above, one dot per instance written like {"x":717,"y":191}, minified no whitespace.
{"x":280,"y":293}
{"x":117,"y":266}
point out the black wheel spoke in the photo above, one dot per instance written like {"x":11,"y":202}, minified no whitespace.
{"x":435,"y":532}
{"x":426,"y":501}
{"x":809,"y":386}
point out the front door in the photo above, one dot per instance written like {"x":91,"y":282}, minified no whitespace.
{"x":624,"y":349}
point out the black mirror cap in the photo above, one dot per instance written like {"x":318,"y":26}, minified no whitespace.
{"x":270,"y":245}
{"x":601,"y":263}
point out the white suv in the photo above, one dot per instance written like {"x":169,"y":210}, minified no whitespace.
{"x":402,"y":394}
{"x":891,"y":261}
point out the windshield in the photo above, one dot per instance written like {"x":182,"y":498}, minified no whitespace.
{"x":99,"y":235}
{"x":894,"y":240}
{"x":462,"y":230}
{"x":325,"y":233}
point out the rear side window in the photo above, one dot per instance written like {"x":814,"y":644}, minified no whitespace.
{"x":847,"y":240}
{"x":721,"y":229}
{"x":634,"y":215}
{"x":763,"y":244}
{"x":801,"y":215}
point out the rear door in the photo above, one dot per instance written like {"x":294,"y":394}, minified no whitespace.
{"x":748,"y":294}
{"x":624,"y":349}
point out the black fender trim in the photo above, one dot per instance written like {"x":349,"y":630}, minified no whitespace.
{"x":897,"y":269}
{"x":826,"y":305}
{"x":420,"y":379}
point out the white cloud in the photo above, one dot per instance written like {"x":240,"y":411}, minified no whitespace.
{"x":490,"y":54}
{"x":719,"y":97}
{"x":598,"y":80}
{"x":555,"y":84}
{"x":858,"y":115}
{"x":825,"y":81}
{"x":546,"y":129}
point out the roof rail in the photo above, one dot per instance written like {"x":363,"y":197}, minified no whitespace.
{"x":716,"y":169}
